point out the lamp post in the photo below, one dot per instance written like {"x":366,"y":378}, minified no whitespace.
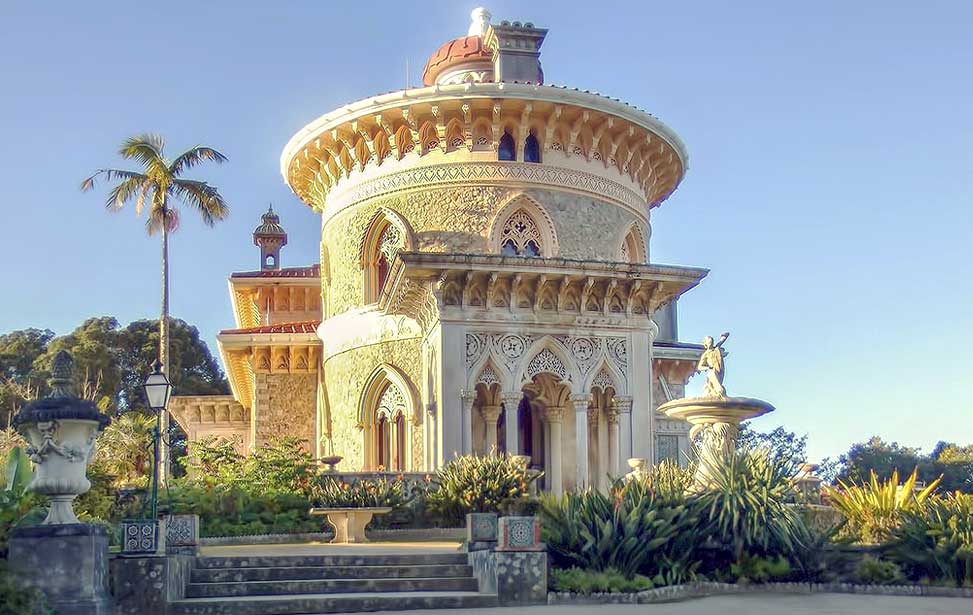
{"x":158,"y":390}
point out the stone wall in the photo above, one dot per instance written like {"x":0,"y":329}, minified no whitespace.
{"x":458,"y":219}
{"x":346,"y":375}
{"x":285,"y":406}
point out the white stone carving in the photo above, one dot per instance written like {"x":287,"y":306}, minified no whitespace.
{"x":603,"y":380}
{"x":519,"y":173}
{"x":475,"y":345}
{"x":391,"y":403}
{"x":546,"y":361}
{"x":488,"y":376}
{"x":520,"y":235}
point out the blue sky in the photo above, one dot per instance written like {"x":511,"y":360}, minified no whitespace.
{"x":829,"y":188}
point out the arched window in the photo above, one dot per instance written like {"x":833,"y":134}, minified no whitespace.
{"x":633,"y":247}
{"x":532,"y":149}
{"x":270,"y":261}
{"x":507,"y":149}
{"x":390,"y":442}
{"x":520,"y":236}
{"x":382,"y":242}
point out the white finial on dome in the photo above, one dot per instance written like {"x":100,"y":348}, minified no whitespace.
{"x":481,"y":21}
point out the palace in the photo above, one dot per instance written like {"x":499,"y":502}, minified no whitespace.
{"x":485,"y":279}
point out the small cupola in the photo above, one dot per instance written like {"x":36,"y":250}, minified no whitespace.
{"x":270,"y":237}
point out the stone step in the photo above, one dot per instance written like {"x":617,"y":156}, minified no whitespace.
{"x":328,"y":586}
{"x":299,"y":573}
{"x":284,"y":561}
{"x":318,"y":604}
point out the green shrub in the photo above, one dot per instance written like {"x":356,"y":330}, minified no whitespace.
{"x":232,"y":511}
{"x":744,"y":503}
{"x":668,"y":480}
{"x":630,"y":530}
{"x":477,"y":484}
{"x":761,"y":569}
{"x":281,"y":465}
{"x":873,"y":510}
{"x":332,"y":492}
{"x":581,"y":581}
{"x":935,"y":541}
{"x":873,"y":571}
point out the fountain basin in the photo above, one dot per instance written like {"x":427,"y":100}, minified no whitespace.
{"x":703,"y":411}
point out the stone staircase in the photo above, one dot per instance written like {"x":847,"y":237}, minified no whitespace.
{"x":309,"y":585}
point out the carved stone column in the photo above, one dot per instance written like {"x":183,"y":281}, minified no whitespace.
{"x":491,"y":414}
{"x":511,"y":407}
{"x":431,"y":440}
{"x":613,"y":456}
{"x":581,"y":404}
{"x":625,"y":426}
{"x":553,"y":418}
{"x":466,"y":421}
{"x":596,"y":473}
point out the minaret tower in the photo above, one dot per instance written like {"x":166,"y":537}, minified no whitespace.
{"x":270,"y":237}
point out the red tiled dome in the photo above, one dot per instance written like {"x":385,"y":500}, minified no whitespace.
{"x":460,"y":51}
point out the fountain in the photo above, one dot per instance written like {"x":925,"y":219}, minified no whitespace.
{"x":715,"y":416}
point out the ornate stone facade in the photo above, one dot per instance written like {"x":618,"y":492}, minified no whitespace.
{"x":485,"y":279}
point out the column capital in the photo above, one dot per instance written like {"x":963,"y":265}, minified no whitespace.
{"x":491,"y":413}
{"x":511,"y":397}
{"x":581,"y":401}
{"x":622,"y":403}
{"x":553,"y":414}
{"x":612,"y":415}
{"x":468,"y":396}
{"x":592,"y":416}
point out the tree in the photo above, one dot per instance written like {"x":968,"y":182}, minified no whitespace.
{"x":194,"y":369}
{"x":780,"y":444}
{"x":160,"y":185}
{"x":18,"y":351}
{"x":950,"y":461}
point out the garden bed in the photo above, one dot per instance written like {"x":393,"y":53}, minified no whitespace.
{"x":688,"y":591}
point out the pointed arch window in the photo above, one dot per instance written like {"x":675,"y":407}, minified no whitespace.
{"x":507,"y":150}
{"x":520,"y":236}
{"x":390,"y":441}
{"x":532,"y":149}
{"x":633,"y":247}
{"x":384,"y":243}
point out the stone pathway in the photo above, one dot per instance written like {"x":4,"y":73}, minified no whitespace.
{"x":754,"y":604}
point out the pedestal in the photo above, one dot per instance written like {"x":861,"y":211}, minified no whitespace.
{"x":69,"y":563}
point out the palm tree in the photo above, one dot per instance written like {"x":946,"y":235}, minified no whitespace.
{"x":159,"y":186}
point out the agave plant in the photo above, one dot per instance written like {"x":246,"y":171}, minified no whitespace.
{"x":874,"y":509}
{"x":746,"y":502}
{"x":629,"y":530}
{"x":478,"y":484}
{"x":935,"y":541}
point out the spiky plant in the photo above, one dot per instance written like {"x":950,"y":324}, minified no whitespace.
{"x":935,"y":541}
{"x":874,"y":508}
{"x":478,"y":484}
{"x":629,"y":530}
{"x":745,"y":502}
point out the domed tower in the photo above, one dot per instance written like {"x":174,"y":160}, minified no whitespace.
{"x":270,"y":237}
{"x":485,"y":266}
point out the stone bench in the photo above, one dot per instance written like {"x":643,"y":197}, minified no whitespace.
{"x":349,"y":523}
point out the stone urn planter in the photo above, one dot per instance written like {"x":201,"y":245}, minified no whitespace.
{"x":349,"y":523}
{"x":61,"y":430}
{"x":66,"y":559}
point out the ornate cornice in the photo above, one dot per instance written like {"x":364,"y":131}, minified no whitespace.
{"x":468,"y":173}
{"x":467,"y":121}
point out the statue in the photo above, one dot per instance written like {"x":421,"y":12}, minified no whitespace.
{"x":712,"y":362}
